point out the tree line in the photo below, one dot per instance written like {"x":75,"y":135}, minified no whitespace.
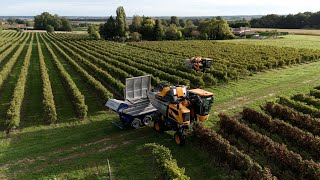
{"x":147,"y":28}
{"x":46,"y":21}
{"x":18,"y":21}
{"x":291,"y":21}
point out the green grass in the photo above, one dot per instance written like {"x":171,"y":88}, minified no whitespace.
{"x":295,"y":41}
{"x":291,"y":31}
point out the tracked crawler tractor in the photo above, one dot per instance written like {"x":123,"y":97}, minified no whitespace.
{"x":166,"y":108}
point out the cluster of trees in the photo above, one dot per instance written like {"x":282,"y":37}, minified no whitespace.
{"x":82,"y":25}
{"x":46,"y":21}
{"x":296,"y":21}
{"x":153,"y":29}
{"x":18,"y":21}
{"x":115,"y":28}
{"x":239,"y":23}
{"x":146,"y":28}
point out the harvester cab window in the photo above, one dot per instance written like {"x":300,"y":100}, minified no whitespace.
{"x":204,"y":62}
{"x":186,"y":117}
{"x":206,"y":103}
{"x":208,"y":64}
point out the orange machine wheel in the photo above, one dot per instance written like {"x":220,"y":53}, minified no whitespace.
{"x":158,"y":126}
{"x":179,"y":138}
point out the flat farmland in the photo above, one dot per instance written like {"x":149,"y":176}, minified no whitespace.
{"x":294,"y":41}
{"x":53,"y":87}
{"x":292,"y":31}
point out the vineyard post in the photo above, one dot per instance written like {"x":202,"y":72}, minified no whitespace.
{"x":109,"y":170}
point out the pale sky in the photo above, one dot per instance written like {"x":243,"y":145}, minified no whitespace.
{"x":156,"y":8}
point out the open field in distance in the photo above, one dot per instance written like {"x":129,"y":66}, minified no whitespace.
{"x":295,"y":41}
{"x":293,"y":31}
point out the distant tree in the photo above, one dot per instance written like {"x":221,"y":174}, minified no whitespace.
{"x":314,"y":20}
{"x":44,"y":19}
{"x":189,"y":23}
{"x":84,"y":24}
{"x":173,"y":33}
{"x":20,"y":21}
{"x":175,"y":20}
{"x":216,"y":29}
{"x":121,"y":23}
{"x":182,"y":22}
{"x":204,"y":27}
{"x":50,"y":29}
{"x":66,"y":24}
{"x":11,"y":20}
{"x":135,"y":36}
{"x":222,"y":31}
{"x":302,"y":20}
{"x":96,"y":35}
{"x":189,"y":27}
{"x":164,"y":22}
{"x":136,"y":24}
{"x":159,"y":31}
{"x":110,"y":28}
{"x":168,"y":22}
{"x":56,"y":22}
{"x":239,"y":23}
{"x":148,"y":29}
{"x":195,"y":34}
{"x":91,"y":30}
{"x":204,"y":36}
{"x":290,"y":21}
{"x":102,"y":31}
{"x":28,"y":23}
{"x":197,"y":22}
